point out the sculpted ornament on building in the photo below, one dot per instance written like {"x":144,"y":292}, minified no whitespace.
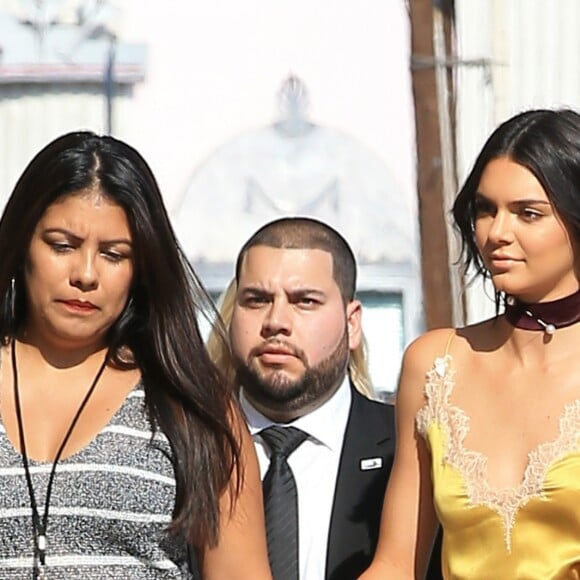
{"x":295,"y":167}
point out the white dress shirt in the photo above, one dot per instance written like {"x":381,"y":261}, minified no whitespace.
{"x":315,"y":468}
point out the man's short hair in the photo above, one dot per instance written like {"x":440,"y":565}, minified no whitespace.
{"x":302,"y":233}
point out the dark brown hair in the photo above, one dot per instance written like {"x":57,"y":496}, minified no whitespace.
{"x":311,"y":234}
{"x":186,"y":396}
{"x":547,"y":143}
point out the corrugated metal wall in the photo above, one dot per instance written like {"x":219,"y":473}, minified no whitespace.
{"x":31,"y":115}
{"x":542,"y":47}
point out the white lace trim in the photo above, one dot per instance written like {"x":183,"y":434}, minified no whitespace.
{"x":473,"y":464}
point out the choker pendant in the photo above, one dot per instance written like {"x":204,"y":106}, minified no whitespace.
{"x":548,"y":328}
{"x":544,"y":316}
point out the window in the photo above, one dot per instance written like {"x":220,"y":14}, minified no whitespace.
{"x":383,"y":327}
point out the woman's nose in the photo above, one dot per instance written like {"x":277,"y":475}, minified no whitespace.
{"x":84,"y":273}
{"x":501,"y":231}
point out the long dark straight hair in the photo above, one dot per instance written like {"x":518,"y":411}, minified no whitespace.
{"x":547,"y":143}
{"x":157,"y":332}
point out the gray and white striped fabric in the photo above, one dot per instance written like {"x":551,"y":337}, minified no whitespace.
{"x":110,"y":506}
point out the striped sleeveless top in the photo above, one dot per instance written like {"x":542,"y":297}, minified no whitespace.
{"x":110,"y":505}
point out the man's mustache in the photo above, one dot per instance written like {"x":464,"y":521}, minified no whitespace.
{"x":277,"y":345}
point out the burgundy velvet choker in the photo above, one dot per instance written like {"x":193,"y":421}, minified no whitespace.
{"x":546,"y":316}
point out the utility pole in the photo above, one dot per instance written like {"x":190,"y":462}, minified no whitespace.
{"x":431,"y":33}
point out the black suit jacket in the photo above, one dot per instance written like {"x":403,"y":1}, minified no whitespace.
{"x":360,"y":489}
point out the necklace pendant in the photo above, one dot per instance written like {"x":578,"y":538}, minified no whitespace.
{"x":41,"y":543}
{"x":40,"y":562}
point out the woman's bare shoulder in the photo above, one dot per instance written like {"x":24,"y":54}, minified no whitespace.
{"x":457,"y":342}
{"x":429,"y":346}
{"x":425,"y":353}
{"x":419,"y":358}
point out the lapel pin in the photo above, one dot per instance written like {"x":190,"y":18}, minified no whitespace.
{"x":371,"y":463}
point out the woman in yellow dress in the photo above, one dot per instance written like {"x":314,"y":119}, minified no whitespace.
{"x":489,"y":415}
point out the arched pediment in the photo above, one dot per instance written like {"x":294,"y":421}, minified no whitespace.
{"x":264,"y":174}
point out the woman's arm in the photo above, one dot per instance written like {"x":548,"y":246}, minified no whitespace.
{"x":409,"y":522}
{"x":241,"y":552}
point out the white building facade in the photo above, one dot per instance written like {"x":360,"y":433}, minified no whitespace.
{"x":195,"y":93}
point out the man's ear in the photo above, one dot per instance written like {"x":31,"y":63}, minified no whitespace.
{"x":354,"y":323}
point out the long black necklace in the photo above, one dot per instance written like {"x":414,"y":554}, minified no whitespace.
{"x":39,"y":524}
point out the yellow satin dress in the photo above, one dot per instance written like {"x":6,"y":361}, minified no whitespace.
{"x":531,"y":532}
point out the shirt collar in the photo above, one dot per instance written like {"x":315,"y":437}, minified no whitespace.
{"x":326,"y":424}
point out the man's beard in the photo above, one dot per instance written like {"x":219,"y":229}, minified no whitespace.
{"x":279,"y":393}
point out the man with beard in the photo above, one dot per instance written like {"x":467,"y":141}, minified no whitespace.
{"x":295,"y":320}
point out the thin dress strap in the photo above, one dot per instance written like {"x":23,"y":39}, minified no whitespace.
{"x":449,"y":341}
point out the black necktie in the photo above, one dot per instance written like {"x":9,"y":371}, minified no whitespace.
{"x":281,"y":502}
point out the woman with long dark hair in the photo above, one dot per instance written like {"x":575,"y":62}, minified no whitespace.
{"x":120,"y":443}
{"x":488,"y":416}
